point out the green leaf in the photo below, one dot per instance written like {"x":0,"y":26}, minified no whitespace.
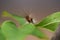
{"x":6,"y":14}
{"x":38,"y":33}
{"x":9,"y":29}
{"x":11,"y":32}
{"x":52,"y":26}
{"x":50,"y":22}
{"x":27,"y":28}
{"x":21,"y":20}
{"x":2,"y":37}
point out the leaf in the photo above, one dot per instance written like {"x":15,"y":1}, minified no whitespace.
{"x":51,"y":22}
{"x":9,"y":29}
{"x":52,"y":27}
{"x":2,"y":37}
{"x":6,"y":14}
{"x":38,"y":33}
{"x":27,"y":28}
{"x":21,"y":20}
{"x":11,"y":32}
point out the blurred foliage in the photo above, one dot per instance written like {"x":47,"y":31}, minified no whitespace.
{"x":50,"y":22}
{"x":9,"y":31}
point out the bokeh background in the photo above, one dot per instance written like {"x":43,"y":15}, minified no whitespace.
{"x":38,"y":8}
